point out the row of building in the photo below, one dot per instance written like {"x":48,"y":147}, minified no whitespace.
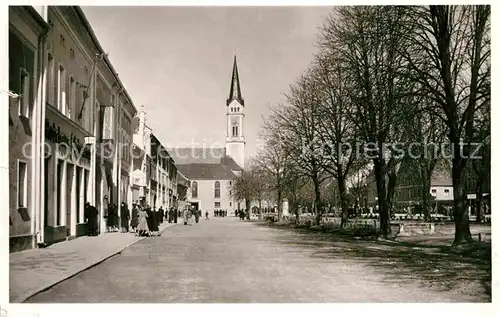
{"x":75,"y":135}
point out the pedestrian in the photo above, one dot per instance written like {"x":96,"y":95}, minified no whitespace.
{"x":157,"y":217}
{"x":108,"y":214}
{"x":187,"y":216}
{"x":197,"y":216}
{"x":152,"y":224}
{"x":206,"y":215}
{"x":162,"y":214}
{"x":176,"y":214}
{"x":170,"y":214}
{"x":91,"y":214}
{"x":143,"y":228}
{"x":114,"y":218}
{"x":135,"y":218}
{"x":125,"y":216}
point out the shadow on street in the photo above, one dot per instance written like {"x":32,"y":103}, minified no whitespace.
{"x":432,"y":262}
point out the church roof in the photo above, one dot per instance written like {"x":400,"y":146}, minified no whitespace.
{"x":235,"y":90}
{"x":197,"y":155}
{"x":204,"y":163}
{"x":206,"y":171}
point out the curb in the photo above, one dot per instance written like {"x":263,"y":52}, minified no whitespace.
{"x":35,"y":291}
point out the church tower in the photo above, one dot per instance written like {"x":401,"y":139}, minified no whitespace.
{"x":235,"y":115}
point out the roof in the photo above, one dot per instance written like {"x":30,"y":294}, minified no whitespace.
{"x":441,"y":177}
{"x":235,"y":90}
{"x":197,"y":155}
{"x":206,"y":171}
{"x":205,"y":163}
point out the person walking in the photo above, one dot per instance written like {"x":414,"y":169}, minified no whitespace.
{"x":162,"y":214}
{"x":188,"y":214}
{"x":152,"y":224}
{"x":196,"y":216}
{"x":143,"y":228}
{"x":125,"y":216}
{"x":175,"y":212}
{"x":135,"y":218}
{"x":206,"y":215}
{"x":91,"y":214}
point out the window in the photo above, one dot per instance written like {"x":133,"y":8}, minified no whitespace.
{"x":22,"y":187}
{"x":24,"y":92}
{"x":217,"y":190}
{"x":72,"y":96}
{"x":217,"y":204}
{"x":235,"y":130}
{"x":60,"y":165}
{"x":194,"y":190}
{"x":230,"y":204}
{"x":433,"y":191}
{"x":51,"y":88}
{"x":230,"y":193}
{"x":61,"y":90}
{"x":447,"y":192}
{"x":230,"y":183}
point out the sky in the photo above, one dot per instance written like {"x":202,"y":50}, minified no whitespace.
{"x":177,"y":63}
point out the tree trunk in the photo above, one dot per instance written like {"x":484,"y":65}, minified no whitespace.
{"x":391,"y":186}
{"x":280,"y":202}
{"x":317,"y":200}
{"x":426,"y":189}
{"x":479,"y":200}
{"x":385,"y":228}
{"x":461,"y":214}
{"x":343,"y":202}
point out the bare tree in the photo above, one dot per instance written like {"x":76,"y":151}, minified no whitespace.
{"x":368,"y":40}
{"x":249,"y":186}
{"x":427,"y":134}
{"x":299,"y":122}
{"x":450,"y":58}
{"x":272,"y":159}
{"x":336,"y":130}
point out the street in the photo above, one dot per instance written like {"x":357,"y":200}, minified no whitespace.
{"x":225,"y":260}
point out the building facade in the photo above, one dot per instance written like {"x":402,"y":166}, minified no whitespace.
{"x":67,"y":119}
{"x":28,"y":29}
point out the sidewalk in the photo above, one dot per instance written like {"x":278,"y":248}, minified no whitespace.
{"x":35,"y":270}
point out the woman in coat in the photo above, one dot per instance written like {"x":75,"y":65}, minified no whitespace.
{"x":143,"y":228}
{"x":135,"y":218}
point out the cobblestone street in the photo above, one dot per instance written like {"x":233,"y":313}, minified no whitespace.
{"x":225,"y":260}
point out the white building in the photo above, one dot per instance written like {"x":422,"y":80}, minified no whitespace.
{"x":211,"y":171}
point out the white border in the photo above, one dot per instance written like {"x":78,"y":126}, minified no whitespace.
{"x":419,"y":310}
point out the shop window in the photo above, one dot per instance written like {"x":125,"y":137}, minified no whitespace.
{"x":217,"y":204}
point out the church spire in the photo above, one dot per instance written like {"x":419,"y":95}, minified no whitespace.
{"x":235,"y":92}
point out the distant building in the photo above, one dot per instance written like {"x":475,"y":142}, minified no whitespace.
{"x":211,"y":171}
{"x":408,"y":189}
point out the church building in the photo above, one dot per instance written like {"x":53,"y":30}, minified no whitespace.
{"x":212,"y":171}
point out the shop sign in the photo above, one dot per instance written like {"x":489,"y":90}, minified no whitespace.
{"x":54,"y":134}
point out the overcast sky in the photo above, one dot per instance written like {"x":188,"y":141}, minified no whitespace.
{"x":177,"y":62}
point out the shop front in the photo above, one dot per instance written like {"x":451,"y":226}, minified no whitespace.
{"x":67,"y":178}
